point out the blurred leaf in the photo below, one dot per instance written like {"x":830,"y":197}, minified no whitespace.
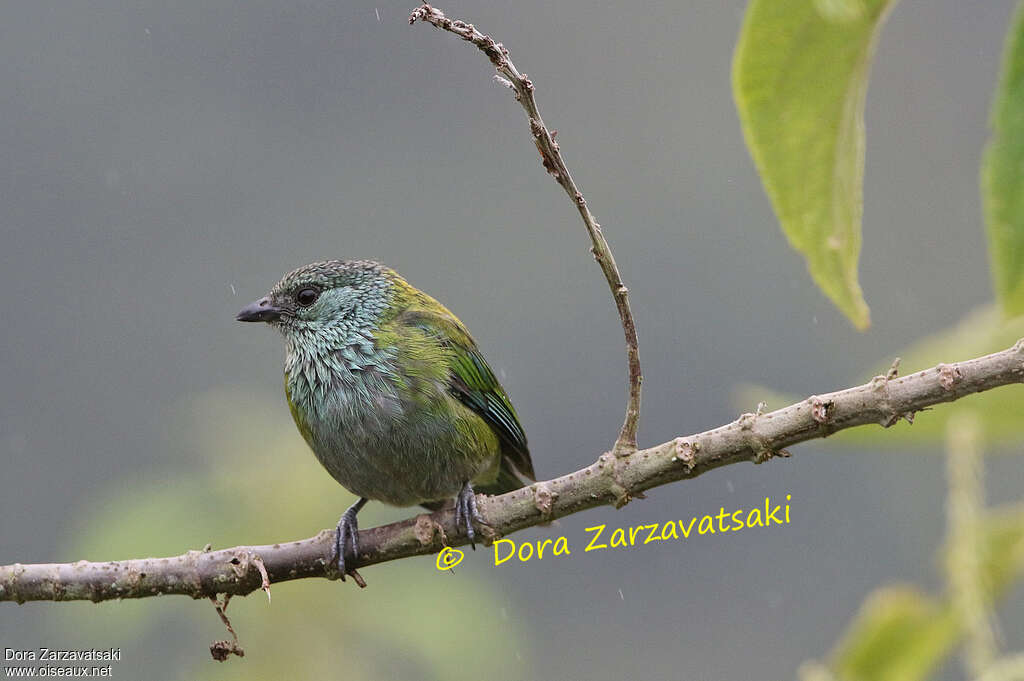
{"x":1002,"y":552}
{"x":981,"y":332}
{"x":1002,"y":175}
{"x":262,"y":484}
{"x":901,"y":634}
{"x":800,"y":76}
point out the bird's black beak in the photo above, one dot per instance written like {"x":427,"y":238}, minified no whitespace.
{"x":260,"y":311}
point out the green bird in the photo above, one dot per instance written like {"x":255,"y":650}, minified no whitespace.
{"x":391,"y":393}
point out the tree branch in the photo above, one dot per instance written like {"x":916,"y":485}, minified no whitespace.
{"x":522,"y":87}
{"x":610,"y":480}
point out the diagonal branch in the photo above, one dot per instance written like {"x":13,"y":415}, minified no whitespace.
{"x":522,"y":87}
{"x":611,"y":480}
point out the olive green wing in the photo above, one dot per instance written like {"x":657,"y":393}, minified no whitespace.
{"x":474,"y":384}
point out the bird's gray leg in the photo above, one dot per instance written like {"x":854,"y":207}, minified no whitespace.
{"x":347,"y":536}
{"x":466,"y":512}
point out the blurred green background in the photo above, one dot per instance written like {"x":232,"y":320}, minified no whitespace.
{"x":164,"y":164}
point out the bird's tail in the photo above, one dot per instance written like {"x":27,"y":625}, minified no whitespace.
{"x":508,"y":479}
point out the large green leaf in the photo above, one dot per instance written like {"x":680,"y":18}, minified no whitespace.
{"x":980,"y":332}
{"x":800,"y":75}
{"x":1002,"y":175}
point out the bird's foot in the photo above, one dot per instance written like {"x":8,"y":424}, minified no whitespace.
{"x":467,"y":513}
{"x":346,"y":539}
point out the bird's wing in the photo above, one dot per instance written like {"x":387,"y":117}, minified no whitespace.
{"x":473,"y":383}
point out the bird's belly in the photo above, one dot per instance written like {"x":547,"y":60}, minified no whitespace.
{"x":400,"y":456}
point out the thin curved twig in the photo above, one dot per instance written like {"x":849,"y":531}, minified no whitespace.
{"x":522,"y":87}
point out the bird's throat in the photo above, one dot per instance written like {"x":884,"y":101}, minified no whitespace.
{"x":319,"y":375}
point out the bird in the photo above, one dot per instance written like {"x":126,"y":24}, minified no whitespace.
{"x":390,"y":391}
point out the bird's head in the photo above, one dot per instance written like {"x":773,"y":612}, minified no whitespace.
{"x":324,"y":300}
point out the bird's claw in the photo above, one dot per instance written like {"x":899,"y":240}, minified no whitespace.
{"x":346,"y":538}
{"x":467,"y":513}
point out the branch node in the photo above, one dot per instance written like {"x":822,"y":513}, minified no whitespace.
{"x":760,"y":447}
{"x":893,"y":418}
{"x":607,"y":463}
{"x":822,"y":411}
{"x":426,"y":528}
{"x":686,"y":453}
{"x":504,"y":82}
{"x":257,"y":560}
{"x":765,"y":453}
{"x":544,"y":498}
{"x":950,"y":375}
{"x":622,"y":496}
{"x":894,"y":370}
{"x":420,"y":13}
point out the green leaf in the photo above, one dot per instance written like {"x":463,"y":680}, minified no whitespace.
{"x":980,"y":332}
{"x":1002,"y":549}
{"x":902,"y":634}
{"x":800,"y":75}
{"x":1002,"y":175}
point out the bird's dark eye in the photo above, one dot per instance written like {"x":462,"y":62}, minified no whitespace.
{"x":307,"y":297}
